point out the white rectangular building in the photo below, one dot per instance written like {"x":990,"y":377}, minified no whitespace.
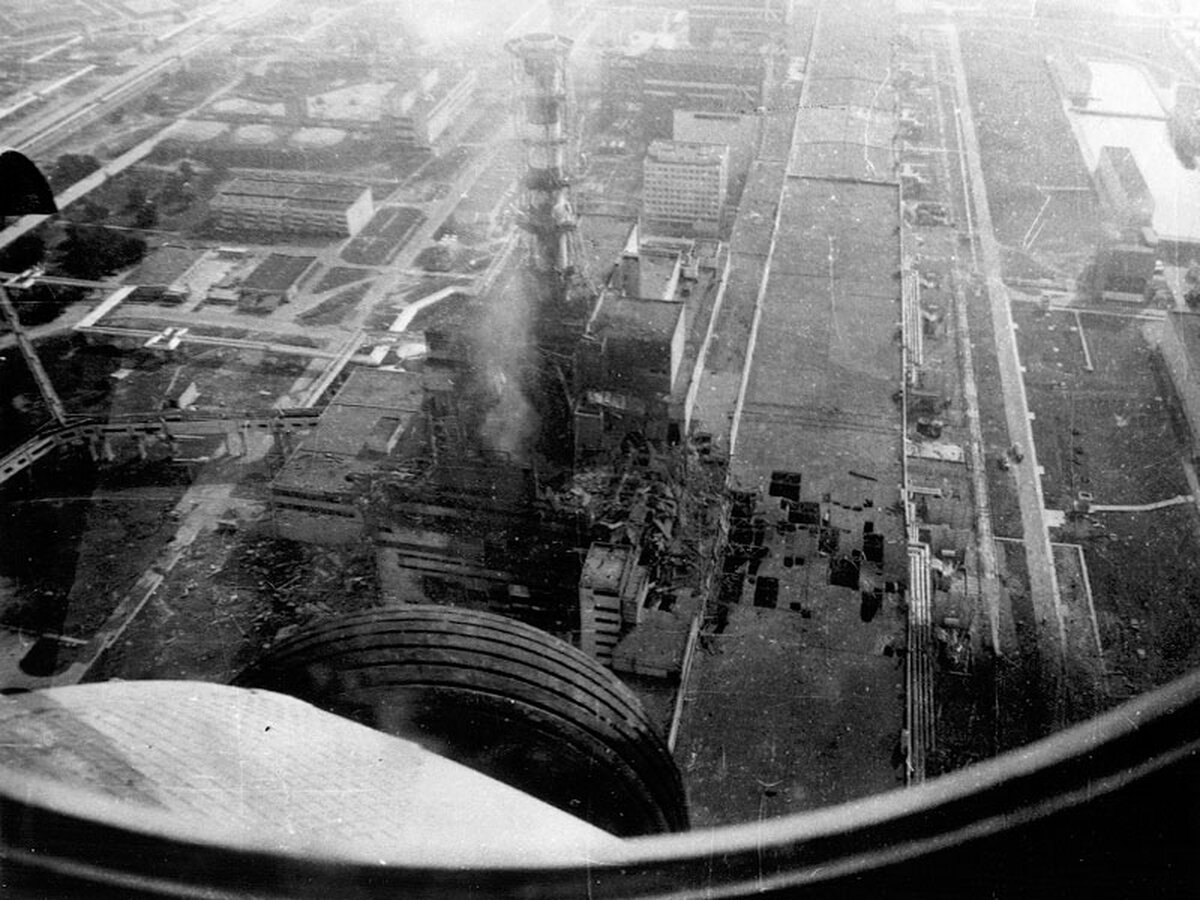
{"x":684,"y":186}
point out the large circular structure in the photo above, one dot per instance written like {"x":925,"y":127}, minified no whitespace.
{"x":500,"y":696}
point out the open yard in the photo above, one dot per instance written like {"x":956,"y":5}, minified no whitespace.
{"x":1030,"y":159}
{"x":1111,"y":437}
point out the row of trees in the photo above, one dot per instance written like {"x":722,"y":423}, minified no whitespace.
{"x":90,"y":252}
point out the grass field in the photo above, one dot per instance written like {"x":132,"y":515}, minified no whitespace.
{"x":1113,"y":433}
{"x":1026,"y":144}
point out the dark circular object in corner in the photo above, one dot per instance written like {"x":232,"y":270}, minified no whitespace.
{"x":495,"y":694}
{"x":23,"y":189}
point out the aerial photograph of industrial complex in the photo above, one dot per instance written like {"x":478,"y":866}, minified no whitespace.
{"x":578,"y":448}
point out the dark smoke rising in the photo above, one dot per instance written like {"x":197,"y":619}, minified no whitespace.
{"x":504,"y":353}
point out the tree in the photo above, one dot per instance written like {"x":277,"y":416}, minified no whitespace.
{"x":92,"y":251}
{"x":89,"y":211}
{"x":176,"y":192}
{"x":42,"y":303}
{"x":146,"y":216}
{"x":154,"y":104}
{"x":24,"y":253}
{"x":72,"y":167}
{"x":136,"y":197}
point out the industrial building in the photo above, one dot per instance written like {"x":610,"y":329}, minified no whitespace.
{"x":574,"y":543}
{"x":162,"y":276}
{"x":397,"y":459}
{"x":422,"y":116}
{"x":739,"y":131}
{"x":1122,"y":187}
{"x":274,"y":281}
{"x":416,"y":111}
{"x":402,"y":460}
{"x":312,"y":496}
{"x":634,"y":363}
{"x":1122,"y":268}
{"x":817,"y":565}
{"x":1124,"y":110}
{"x":684,"y":186}
{"x":292,"y":203}
{"x":1072,"y":76}
{"x":748,"y":20}
{"x":661,"y":79}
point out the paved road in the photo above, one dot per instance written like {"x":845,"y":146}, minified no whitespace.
{"x":1043,"y":580}
{"x":989,"y":582}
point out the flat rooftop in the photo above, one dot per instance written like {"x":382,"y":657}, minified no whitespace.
{"x":843,"y":142}
{"x":1114,"y":91}
{"x":852,"y":64}
{"x":630,"y":317}
{"x":656,"y":271}
{"x":278,"y":272}
{"x":827,"y":349}
{"x":687,"y":153}
{"x":1175,"y":188}
{"x":603,"y":238}
{"x":796,"y":704}
{"x":371,"y":407}
{"x":382,"y":389}
{"x":297,"y":192}
{"x":164,"y":265}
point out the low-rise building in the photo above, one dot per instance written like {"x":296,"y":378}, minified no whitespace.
{"x":162,"y":275}
{"x":684,"y":186}
{"x":293,"y":203}
{"x":1122,"y":270}
{"x":275,"y":280}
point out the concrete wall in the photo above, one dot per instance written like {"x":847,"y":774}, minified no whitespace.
{"x":1184,"y":367}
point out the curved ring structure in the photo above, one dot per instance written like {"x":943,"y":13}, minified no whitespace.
{"x":495,"y":694}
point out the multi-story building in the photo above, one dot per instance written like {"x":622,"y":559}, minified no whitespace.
{"x":684,"y":187}
{"x":291,"y":203}
{"x":416,"y":109}
{"x":740,"y":19}
{"x":633,"y":365}
{"x":663,"y":79}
